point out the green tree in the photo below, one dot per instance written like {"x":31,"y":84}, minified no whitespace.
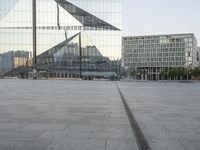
{"x":182,"y":73}
{"x":133,"y":74}
{"x":172,"y":73}
{"x":195,"y":72}
{"x":164,"y":73}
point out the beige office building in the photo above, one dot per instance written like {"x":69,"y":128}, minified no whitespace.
{"x":149,"y":55}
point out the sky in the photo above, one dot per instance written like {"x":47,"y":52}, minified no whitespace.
{"x":151,"y":17}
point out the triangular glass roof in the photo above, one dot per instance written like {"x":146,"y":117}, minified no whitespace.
{"x":57,"y":47}
{"x":84,"y":17}
{"x":88,"y":49}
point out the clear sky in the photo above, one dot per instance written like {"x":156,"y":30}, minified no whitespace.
{"x":144,"y":17}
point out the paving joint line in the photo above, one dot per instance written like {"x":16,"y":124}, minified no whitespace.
{"x":140,"y":138}
{"x":106,"y":142}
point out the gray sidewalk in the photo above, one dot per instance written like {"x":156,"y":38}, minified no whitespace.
{"x":63,"y":115}
{"x":168,"y":113}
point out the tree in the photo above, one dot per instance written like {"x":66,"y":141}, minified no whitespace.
{"x":172,"y":73}
{"x":195,"y":72}
{"x":164,"y":73}
{"x":182,"y":73}
{"x":133,"y":74}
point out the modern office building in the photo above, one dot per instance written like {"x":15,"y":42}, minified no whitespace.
{"x":149,"y":55}
{"x":73,"y":36}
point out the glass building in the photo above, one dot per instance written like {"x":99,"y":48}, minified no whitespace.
{"x":150,"y":55}
{"x":73,"y":36}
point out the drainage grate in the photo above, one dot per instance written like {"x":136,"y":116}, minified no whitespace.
{"x":140,"y":138}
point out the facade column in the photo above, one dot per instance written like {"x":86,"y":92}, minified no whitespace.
{"x":34,"y":33}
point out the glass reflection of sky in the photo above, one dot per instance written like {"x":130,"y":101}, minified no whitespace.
{"x":5,"y":6}
{"x":19,"y":14}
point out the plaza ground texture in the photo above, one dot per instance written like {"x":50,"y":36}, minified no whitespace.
{"x":89,"y":115}
{"x":63,"y":115}
{"x":168,"y":113}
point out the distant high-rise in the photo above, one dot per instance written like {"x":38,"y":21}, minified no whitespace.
{"x":149,"y":55}
{"x":93,"y":25}
{"x":13,"y":59}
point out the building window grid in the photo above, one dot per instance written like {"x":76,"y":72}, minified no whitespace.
{"x":174,"y":52}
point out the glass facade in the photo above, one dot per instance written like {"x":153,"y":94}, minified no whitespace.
{"x":72,"y":35}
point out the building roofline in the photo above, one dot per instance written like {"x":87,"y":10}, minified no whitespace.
{"x":160,"y":35}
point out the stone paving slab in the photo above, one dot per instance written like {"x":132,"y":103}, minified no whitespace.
{"x":63,"y":115}
{"x":168,"y":113}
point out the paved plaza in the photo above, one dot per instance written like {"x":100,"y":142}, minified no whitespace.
{"x":63,"y":115}
{"x":168,"y":113}
{"x":89,"y":115}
